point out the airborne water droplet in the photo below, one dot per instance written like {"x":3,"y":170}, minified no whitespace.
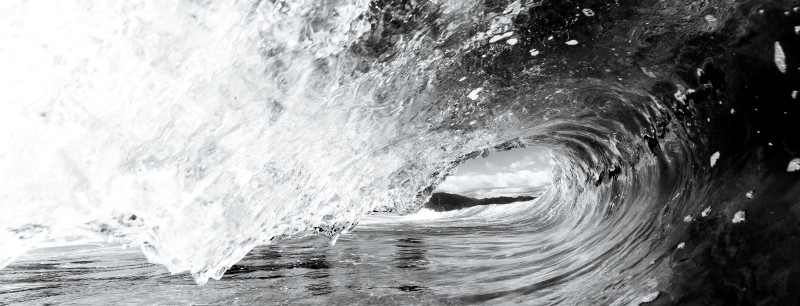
{"x":780,"y":58}
{"x":714,"y":158}
{"x":739,"y":216}
{"x":705,"y":212}
{"x":794,"y":165}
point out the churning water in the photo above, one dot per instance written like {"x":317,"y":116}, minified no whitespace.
{"x":200,"y":132}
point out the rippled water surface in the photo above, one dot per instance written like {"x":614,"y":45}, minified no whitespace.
{"x":429,"y":258}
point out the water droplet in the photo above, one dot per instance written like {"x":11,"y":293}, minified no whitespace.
{"x":705,"y":212}
{"x":780,"y":58}
{"x":739,"y":216}
{"x":794,"y":165}
{"x":714,"y":158}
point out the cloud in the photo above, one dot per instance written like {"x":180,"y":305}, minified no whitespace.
{"x":523,"y":182}
{"x":532,"y":162}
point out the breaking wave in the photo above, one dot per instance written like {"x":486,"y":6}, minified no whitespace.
{"x":200,"y":130}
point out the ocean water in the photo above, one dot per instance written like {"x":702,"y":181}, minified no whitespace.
{"x":453,"y":258}
{"x":239,"y":150}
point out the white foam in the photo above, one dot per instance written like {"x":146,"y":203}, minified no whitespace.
{"x":473,"y":95}
{"x":497,"y":38}
{"x":423,"y":214}
{"x":650,"y":297}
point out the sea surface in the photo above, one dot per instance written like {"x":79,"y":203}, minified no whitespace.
{"x":420,"y":259}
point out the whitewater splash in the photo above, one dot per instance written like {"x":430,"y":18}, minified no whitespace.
{"x":201,"y":130}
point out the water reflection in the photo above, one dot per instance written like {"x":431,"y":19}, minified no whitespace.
{"x":319,"y":275}
{"x":411,"y":254}
{"x":378,"y":267}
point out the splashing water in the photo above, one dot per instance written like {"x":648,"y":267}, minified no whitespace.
{"x":198,"y":131}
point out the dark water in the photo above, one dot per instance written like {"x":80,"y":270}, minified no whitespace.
{"x":674,"y":125}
